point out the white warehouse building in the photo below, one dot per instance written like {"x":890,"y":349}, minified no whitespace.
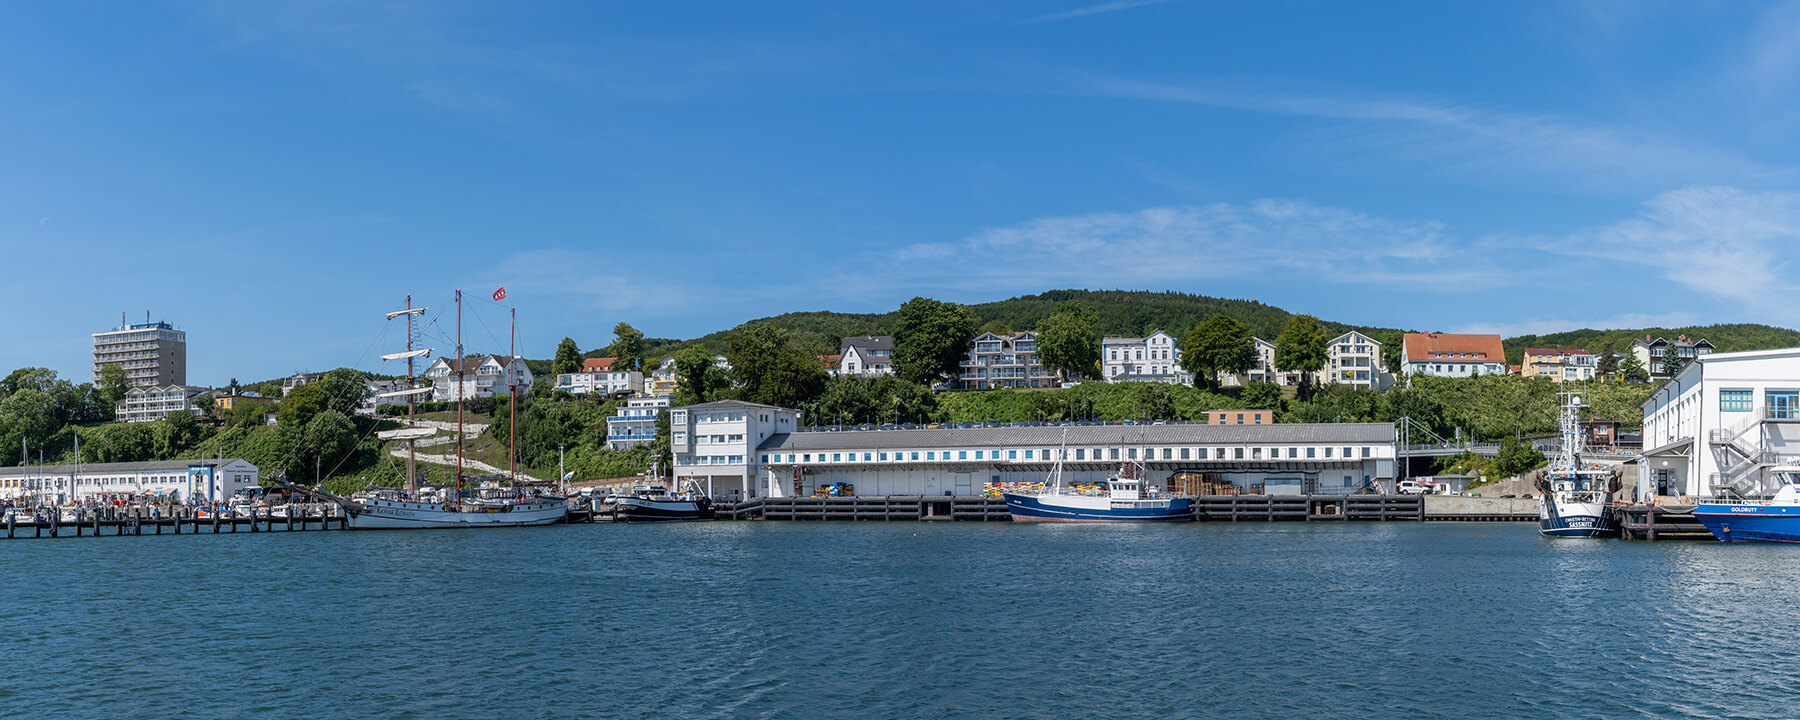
{"x":1719,"y":425}
{"x":1285,"y":459}
{"x":183,"y":480}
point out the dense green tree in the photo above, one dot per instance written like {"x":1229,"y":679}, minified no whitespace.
{"x":1301,"y":348}
{"x":568,"y":358}
{"x":1068,"y":344}
{"x":1517,"y":456}
{"x":1631,"y":368}
{"x":29,"y":416}
{"x":1219,"y":345}
{"x":1262,"y":396}
{"x":1393,"y":344}
{"x":1608,"y":364}
{"x":175,"y":434}
{"x":324,"y":445}
{"x":302,"y":404}
{"x":113,"y":384}
{"x":930,"y":339}
{"x":696,"y":376}
{"x":206,"y":404}
{"x":627,"y":346}
{"x":1672,"y":362}
{"x":43,"y":380}
{"x":997,"y":327}
{"x":770,"y":368}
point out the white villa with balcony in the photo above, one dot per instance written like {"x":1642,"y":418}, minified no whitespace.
{"x":866,"y":357}
{"x":1004,"y":361}
{"x":1354,"y":359}
{"x":635,"y":423}
{"x":149,"y":404}
{"x":1718,"y":426}
{"x":483,"y":376}
{"x":1154,"y":358}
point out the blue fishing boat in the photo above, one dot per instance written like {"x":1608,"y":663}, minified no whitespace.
{"x":1572,"y":498}
{"x":1123,"y":498}
{"x":1776,"y":519}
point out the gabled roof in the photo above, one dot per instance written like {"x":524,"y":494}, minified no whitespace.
{"x":732,"y":404}
{"x":1364,"y":336}
{"x":830,"y":362}
{"x":1555,"y":351}
{"x":601,"y":364}
{"x":866,"y":343}
{"x":473,"y":363}
{"x":1449,"y":347}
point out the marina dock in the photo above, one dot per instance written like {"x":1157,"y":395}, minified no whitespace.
{"x":1640,"y":522}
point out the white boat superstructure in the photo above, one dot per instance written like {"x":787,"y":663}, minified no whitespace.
{"x":1571,"y":498}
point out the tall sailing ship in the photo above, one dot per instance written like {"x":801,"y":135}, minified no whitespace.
{"x":1572,"y":499}
{"x":452,"y":507}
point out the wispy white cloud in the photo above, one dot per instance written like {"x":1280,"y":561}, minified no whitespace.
{"x":43,"y":221}
{"x":1181,"y":245}
{"x":1459,"y":137}
{"x":1546,"y":325}
{"x":1721,"y":241}
{"x":1094,"y":10}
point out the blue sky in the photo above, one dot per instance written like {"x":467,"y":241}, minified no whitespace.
{"x":271,"y":177}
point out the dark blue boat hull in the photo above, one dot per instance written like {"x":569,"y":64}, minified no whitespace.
{"x":1751,"y":523}
{"x":1579,"y":526}
{"x":1028,"y":508}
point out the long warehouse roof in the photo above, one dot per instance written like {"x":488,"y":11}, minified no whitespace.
{"x":1051,"y":436}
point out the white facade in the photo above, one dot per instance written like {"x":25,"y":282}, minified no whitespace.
{"x":634,"y":423}
{"x":866,"y":357}
{"x":1004,"y":361}
{"x":1354,"y":359}
{"x":149,"y":404}
{"x":152,"y":354}
{"x":1449,"y":355}
{"x":187,"y":480}
{"x":1155,"y":358}
{"x":1717,"y":426}
{"x":715,"y":444}
{"x":486,"y":376}
{"x":1280,"y":459}
{"x":606,"y":383}
{"x":288,"y":385}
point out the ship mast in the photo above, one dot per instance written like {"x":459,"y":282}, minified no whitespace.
{"x":412,"y":476}
{"x":512,"y":405}
{"x":460,"y":363}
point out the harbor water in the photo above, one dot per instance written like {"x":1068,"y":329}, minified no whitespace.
{"x":899,"y":620}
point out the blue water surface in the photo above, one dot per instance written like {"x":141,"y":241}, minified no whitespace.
{"x":899,"y":620}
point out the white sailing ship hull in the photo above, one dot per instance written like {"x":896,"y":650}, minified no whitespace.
{"x":398,"y":515}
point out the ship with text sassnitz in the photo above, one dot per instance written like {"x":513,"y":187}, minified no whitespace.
{"x":1572,"y":498}
{"x":1122,"y":498}
{"x":1776,"y":519}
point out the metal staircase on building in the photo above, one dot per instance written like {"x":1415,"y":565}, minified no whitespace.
{"x":1741,"y":457}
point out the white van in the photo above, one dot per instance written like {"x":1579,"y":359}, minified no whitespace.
{"x":1411,"y":487}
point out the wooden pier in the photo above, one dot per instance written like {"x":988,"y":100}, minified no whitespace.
{"x":1640,"y":522}
{"x":1308,"y":508}
{"x":118,"y":521}
{"x":875,"y":507}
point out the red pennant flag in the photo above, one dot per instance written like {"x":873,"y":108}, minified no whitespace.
{"x":500,"y":294}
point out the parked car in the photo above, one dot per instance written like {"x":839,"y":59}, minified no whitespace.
{"x":1412,"y":487}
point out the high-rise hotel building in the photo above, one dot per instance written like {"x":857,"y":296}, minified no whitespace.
{"x":153,"y":354}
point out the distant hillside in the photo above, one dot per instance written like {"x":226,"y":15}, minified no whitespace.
{"x":1118,"y":312}
{"x":1727,"y":338}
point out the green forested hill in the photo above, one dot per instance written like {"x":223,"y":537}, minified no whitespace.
{"x":1117,"y":312}
{"x":1139,"y":312}
{"x":1726,"y":338}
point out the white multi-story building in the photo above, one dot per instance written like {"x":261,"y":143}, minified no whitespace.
{"x":1449,"y":355}
{"x":152,"y":354}
{"x":298,"y":379}
{"x":1354,"y":359}
{"x":599,"y":376}
{"x":1154,"y":358}
{"x":1262,"y":371}
{"x":373,"y":390}
{"x":715,"y":444}
{"x":866,"y":357}
{"x":183,"y":480}
{"x":1716,"y":427}
{"x":634,"y":423}
{"x":1004,"y":361}
{"x":1283,"y":459}
{"x":485,"y":376}
{"x":149,"y":404}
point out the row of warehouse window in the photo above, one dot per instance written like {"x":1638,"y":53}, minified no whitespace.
{"x":1782,"y":404}
{"x":1077,"y":454}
